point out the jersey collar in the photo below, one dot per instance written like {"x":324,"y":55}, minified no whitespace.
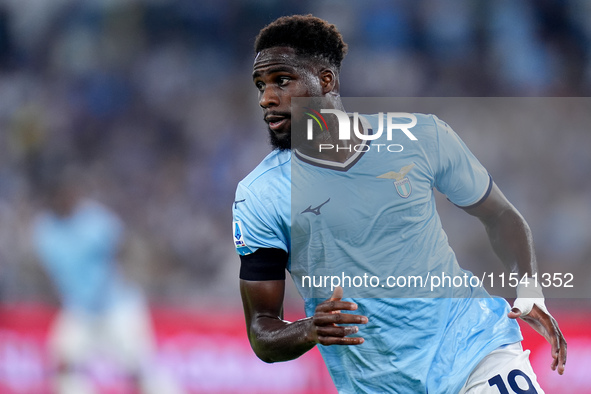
{"x":335,"y":165}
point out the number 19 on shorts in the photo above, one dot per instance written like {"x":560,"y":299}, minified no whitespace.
{"x":517,"y":380}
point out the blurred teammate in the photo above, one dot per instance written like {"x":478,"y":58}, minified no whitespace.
{"x":469,"y":343}
{"x":78,"y":241}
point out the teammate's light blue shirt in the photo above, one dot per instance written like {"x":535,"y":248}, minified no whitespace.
{"x":376,"y":214}
{"x":79,"y":253}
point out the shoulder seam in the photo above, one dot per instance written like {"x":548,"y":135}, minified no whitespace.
{"x":245,"y":184}
{"x":435,"y":181}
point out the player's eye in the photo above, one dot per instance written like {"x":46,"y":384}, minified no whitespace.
{"x":260,"y":86}
{"x":282,"y":81}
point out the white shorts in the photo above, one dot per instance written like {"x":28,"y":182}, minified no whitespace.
{"x":123,"y":334}
{"x":506,"y":370}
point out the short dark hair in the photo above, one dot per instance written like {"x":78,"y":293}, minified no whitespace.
{"x":307,"y":35}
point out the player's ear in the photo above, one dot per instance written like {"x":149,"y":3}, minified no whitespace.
{"x":328,"y":80}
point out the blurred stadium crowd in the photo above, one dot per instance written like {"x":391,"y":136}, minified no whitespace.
{"x":153,"y":102}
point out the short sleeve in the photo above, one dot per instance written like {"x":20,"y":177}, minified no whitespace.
{"x":459,"y":175}
{"x":254,"y":226}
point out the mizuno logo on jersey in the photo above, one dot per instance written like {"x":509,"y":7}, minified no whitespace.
{"x":316,"y":210}
{"x":401,"y":182}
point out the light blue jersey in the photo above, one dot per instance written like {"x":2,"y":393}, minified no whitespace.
{"x":261,"y":211}
{"x":79,"y":253}
{"x":375,"y":215}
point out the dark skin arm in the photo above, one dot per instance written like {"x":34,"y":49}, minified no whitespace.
{"x":511,"y":239}
{"x":274,"y":339}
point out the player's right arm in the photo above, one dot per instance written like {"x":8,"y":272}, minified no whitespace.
{"x":274,"y":339}
{"x":261,"y":239}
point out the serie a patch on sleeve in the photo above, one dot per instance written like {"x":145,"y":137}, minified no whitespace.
{"x":239,"y":243}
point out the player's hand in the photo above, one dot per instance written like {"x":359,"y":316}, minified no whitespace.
{"x":327,"y":316}
{"x":546,"y":325}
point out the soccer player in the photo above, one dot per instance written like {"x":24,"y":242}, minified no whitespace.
{"x":78,"y":241}
{"x":288,"y":214}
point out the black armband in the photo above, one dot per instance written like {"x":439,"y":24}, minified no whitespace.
{"x":264,"y":264}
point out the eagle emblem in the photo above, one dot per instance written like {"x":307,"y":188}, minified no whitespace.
{"x":401,"y":182}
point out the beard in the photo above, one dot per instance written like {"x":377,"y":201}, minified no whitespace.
{"x":281,"y":144}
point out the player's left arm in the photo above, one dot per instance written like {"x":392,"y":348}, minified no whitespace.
{"x":512,"y":241}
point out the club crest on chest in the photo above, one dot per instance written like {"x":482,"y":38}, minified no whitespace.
{"x":401,"y":181}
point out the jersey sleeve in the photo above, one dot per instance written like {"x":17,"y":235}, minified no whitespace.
{"x":254,"y":225}
{"x":459,"y":175}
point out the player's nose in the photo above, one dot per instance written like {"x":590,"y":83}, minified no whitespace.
{"x":268,"y":98}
